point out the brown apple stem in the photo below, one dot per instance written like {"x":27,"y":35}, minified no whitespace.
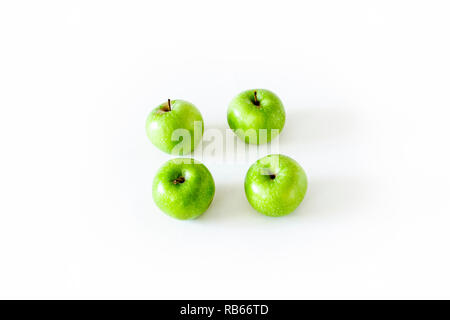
{"x":168,"y":104}
{"x":256,"y":98}
{"x":178,"y":180}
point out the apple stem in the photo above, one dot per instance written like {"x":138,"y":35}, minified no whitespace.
{"x":168,"y":104}
{"x":178,"y":180}
{"x":256,"y":98}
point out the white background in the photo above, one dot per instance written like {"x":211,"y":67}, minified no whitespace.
{"x":365,"y":85}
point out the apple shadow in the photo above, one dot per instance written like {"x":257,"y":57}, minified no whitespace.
{"x":230,"y":204}
{"x":329,"y":198}
{"x":317,"y":123}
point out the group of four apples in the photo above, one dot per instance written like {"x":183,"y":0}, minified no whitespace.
{"x":184,"y":188}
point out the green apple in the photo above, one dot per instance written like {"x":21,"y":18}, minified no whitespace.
{"x":256,"y":116}
{"x":183,"y":188}
{"x":275,"y":185}
{"x":175,"y":127}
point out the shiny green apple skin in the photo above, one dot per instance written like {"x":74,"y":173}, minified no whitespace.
{"x":183,"y":188}
{"x":267,"y":112}
{"x":275,"y":190}
{"x":161,"y":124}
